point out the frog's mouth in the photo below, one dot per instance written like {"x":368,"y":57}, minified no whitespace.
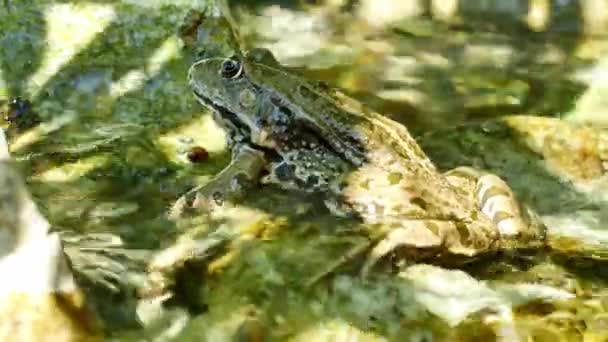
{"x":228,"y":117}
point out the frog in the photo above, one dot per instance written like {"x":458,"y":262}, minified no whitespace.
{"x":314,"y":138}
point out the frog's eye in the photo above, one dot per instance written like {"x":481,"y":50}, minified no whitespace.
{"x":231,"y":69}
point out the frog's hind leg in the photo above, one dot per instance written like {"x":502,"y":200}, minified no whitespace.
{"x":497,"y":201}
{"x":423,"y":237}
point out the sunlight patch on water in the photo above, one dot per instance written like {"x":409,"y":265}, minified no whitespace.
{"x":3,"y":87}
{"x":161,"y":3}
{"x":129,"y":82}
{"x":336,"y":330}
{"x":72,"y":171}
{"x":590,"y":106}
{"x":444,"y":10}
{"x":39,"y":132}
{"x":539,"y":15}
{"x":134,"y":79}
{"x":595,"y":16}
{"x":383,"y":12}
{"x":586,"y":226}
{"x":202,"y":132}
{"x":4,"y":155}
{"x":70,"y":28}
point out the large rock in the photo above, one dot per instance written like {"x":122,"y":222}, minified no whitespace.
{"x":39,"y":298}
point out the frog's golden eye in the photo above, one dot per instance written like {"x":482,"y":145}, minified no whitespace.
{"x":231,"y":69}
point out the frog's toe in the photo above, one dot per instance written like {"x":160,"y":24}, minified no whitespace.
{"x":214,"y":194}
{"x":230,"y":185}
{"x":200,"y":198}
{"x":181,"y":206}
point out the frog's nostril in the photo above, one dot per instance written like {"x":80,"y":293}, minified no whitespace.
{"x":196,"y":69}
{"x":191,"y":73}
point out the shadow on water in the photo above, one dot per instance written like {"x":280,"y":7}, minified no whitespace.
{"x":475,"y":144}
{"x":23,"y":42}
{"x":259,"y":4}
{"x":110,"y":57}
{"x":145,"y":180}
{"x":549,"y":89}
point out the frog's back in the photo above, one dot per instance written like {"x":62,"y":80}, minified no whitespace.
{"x":378,"y":146}
{"x":356,"y":125}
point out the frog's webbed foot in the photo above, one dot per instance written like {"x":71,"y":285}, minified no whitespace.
{"x":494,"y":197}
{"x":228,"y":186}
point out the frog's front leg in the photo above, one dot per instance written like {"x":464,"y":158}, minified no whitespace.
{"x":228,"y":186}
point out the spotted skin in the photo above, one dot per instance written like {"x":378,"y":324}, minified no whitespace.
{"x":319,"y":140}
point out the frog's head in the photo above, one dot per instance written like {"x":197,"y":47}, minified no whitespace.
{"x":268,"y":106}
{"x":222,"y":84}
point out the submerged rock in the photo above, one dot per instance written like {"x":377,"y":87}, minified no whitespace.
{"x":39,"y":297}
